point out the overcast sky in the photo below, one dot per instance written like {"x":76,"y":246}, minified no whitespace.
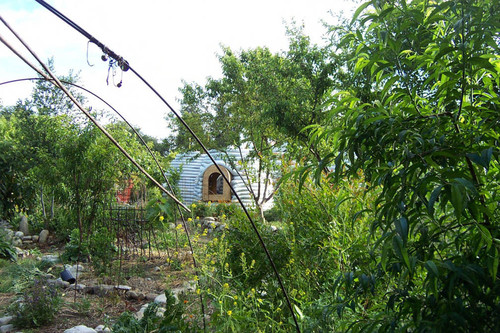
{"x":165,"y":41}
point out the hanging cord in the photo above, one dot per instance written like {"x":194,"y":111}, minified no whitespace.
{"x":124,"y":65}
{"x":52,"y":78}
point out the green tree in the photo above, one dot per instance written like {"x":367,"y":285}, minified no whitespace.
{"x":423,"y":127}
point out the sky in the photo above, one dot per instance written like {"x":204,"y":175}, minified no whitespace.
{"x":167,"y":42}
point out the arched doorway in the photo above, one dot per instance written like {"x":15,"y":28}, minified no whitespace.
{"x":215,"y":187}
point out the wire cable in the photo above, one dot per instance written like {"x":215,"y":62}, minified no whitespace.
{"x":124,"y":65}
{"x":51,"y":77}
{"x":195,"y":264}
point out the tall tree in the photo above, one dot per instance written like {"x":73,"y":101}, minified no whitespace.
{"x":423,"y":127}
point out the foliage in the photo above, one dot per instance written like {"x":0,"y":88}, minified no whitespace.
{"x":38,"y":305}
{"x":7,"y":250}
{"x":74,"y":249}
{"x":154,"y":320}
{"x":102,"y":249}
{"x":425,"y":135}
{"x":17,"y":276}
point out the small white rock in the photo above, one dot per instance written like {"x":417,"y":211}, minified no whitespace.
{"x":5,"y":320}
{"x":80,"y":329}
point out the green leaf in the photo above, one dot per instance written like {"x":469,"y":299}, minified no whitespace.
{"x":359,"y":10}
{"x":457,"y":198}
{"x":431,"y":268}
{"x":402,"y":228}
{"x":400,"y":249}
{"x":433,"y":198}
{"x":486,"y":235}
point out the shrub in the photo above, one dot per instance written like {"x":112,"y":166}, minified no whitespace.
{"x":74,"y":250}
{"x":38,"y":306}
{"x":7,"y":251}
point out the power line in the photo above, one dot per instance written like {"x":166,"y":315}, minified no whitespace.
{"x":124,"y":65}
{"x":52,"y":78}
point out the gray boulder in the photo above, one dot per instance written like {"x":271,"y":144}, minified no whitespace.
{"x":44,"y":234}
{"x":7,"y":328}
{"x":24,"y":226}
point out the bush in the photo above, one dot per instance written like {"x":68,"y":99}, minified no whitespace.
{"x":153,"y":321}
{"x":102,"y":250}
{"x":38,"y":306}
{"x":74,"y":250}
{"x":7,"y":251}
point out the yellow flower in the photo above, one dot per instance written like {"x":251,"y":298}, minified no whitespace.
{"x":226,"y":286}
{"x":223,"y":216}
{"x":198,"y":291}
{"x":229,"y":312}
{"x":236,"y":297}
{"x":189,"y":219}
{"x":161,"y":218}
{"x":235,"y":303}
{"x":193,"y":205}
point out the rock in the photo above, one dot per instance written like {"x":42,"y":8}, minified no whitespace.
{"x":62,"y":284}
{"x":35,"y":238}
{"x":20,"y":253}
{"x":102,"y":329}
{"x":16,"y":242}
{"x":19,"y":234}
{"x":7,"y":328}
{"x":80,"y":329}
{"x":190,"y":285}
{"x":5,"y":320}
{"x":150,"y":297}
{"x":51,"y":258}
{"x":44,"y":234}
{"x":161,"y":299}
{"x":102,"y":290}
{"x":220,"y":227}
{"x":79,"y":287}
{"x":24,"y":226}
{"x":123,"y":287}
{"x":139,"y":314}
{"x":132,"y":295}
{"x":157,"y":269}
{"x":74,"y":269}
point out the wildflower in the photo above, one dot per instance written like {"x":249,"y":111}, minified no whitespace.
{"x":223,"y":216}
{"x":161,"y":218}
{"x":236,"y":297}
{"x":226,"y":286}
{"x":235,"y":303}
{"x":186,"y":301}
{"x":229,"y":312}
{"x":198,"y":291}
{"x":197,"y":217}
{"x":193,"y":205}
{"x":189,"y":219}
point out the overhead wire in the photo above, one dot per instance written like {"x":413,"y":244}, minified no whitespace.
{"x":52,"y":78}
{"x":169,"y":185}
{"x":125,"y":66}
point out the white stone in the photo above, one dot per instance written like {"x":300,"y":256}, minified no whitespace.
{"x":52,"y":258}
{"x":161,"y":299}
{"x":7,"y":328}
{"x":19,"y":234}
{"x":102,"y":329}
{"x":123,"y":287}
{"x":80,"y":329}
{"x":5,"y":320}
